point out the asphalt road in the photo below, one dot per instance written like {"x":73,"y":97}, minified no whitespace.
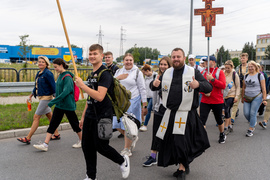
{"x":241,"y":158}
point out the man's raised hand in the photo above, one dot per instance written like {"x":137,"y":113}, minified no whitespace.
{"x":194,"y":84}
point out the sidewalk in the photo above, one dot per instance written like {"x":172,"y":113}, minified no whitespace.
{"x":24,"y":132}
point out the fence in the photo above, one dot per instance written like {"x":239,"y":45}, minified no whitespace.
{"x":29,"y":74}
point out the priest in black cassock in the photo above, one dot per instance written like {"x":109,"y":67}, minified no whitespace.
{"x":181,"y":130}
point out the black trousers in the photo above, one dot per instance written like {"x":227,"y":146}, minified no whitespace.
{"x":155,"y":140}
{"x":57,"y":117}
{"x":217,"y":110}
{"x":228,"y":105}
{"x":91,"y":144}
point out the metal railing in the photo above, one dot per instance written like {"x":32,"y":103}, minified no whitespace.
{"x":29,"y":74}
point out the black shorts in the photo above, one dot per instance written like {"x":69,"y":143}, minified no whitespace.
{"x":217,"y":110}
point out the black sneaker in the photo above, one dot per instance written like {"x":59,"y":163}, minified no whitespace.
{"x":181,"y":175}
{"x":120,"y":135}
{"x":263,"y":124}
{"x":222,"y":138}
{"x":151,"y":161}
{"x":177,"y":172}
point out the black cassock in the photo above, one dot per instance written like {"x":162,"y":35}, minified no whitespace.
{"x":174,"y":148}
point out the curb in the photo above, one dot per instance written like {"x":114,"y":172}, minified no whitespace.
{"x":24,"y":132}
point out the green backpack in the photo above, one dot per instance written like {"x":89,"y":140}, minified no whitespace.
{"x":121,"y":98}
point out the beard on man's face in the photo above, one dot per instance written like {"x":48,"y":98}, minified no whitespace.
{"x":177,"y":64}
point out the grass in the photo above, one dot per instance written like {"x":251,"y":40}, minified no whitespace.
{"x":16,"y":116}
{"x":15,"y":94}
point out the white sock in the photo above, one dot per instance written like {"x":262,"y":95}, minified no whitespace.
{"x":46,"y":145}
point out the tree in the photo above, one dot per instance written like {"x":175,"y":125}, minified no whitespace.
{"x":24,"y":49}
{"x":136,"y":54}
{"x":267,"y":52}
{"x":222,"y":56}
{"x":145,"y":53}
{"x":250,"y":49}
{"x":74,"y":46}
{"x":235,"y":62}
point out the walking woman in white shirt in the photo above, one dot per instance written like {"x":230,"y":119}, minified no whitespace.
{"x":132,"y":78}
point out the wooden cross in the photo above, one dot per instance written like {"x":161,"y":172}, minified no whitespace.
{"x":208,"y":16}
{"x":180,"y":122}
{"x":163,"y":126}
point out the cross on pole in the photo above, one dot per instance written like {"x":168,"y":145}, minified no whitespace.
{"x":180,"y":122}
{"x":208,"y":16}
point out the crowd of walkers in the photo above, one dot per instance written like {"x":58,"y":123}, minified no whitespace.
{"x":178,"y":96}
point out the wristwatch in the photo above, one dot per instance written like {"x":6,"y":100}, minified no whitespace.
{"x":145,"y":107}
{"x":212,"y":80}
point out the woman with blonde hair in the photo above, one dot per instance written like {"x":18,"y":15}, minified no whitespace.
{"x":231,"y":92}
{"x":253,"y":94}
{"x":44,"y":89}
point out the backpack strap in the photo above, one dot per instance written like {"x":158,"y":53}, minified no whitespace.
{"x":66,"y":76}
{"x":217,"y":73}
{"x":233,"y":76}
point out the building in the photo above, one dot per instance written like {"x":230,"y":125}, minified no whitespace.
{"x":263,"y":41}
{"x":235,"y":54}
{"x":12,"y":53}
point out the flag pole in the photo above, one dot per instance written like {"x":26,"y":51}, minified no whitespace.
{"x":68,"y":42}
{"x":208,"y":50}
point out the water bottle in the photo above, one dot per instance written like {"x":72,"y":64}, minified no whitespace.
{"x":230,"y":85}
{"x":29,"y":107}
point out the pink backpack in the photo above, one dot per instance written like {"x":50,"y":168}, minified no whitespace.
{"x":76,"y":89}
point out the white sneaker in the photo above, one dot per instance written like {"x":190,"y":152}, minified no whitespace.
{"x":41,"y":146}
{"x":143,"y":128}
{"x":132,"y":147}
{"x":78,"y":144}
{"x":125,"y":167}
{"x":87,"y":178}
{"x":126,"y":151}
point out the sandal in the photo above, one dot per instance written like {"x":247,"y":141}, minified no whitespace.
{"x":24,"y":140}
{"x":54,"y":137}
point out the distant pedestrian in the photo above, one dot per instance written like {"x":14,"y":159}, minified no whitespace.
{"x":109,"y":62}
{"x":192,"y":62}
{"x":44,"y":89}
{"x":64,"y":104}
{"x":98,"y":106}
{"x":253,"y":94}
{"x":149,"y":75}
{"x":164,"y":63}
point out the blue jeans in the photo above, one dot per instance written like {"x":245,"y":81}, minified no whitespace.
{"x":149,"y":109}
{"x":251,"y":109}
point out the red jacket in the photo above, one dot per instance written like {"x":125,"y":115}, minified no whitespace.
{"x":219,"y":85}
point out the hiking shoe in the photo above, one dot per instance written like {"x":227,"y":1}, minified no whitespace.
{"x":78,"y":144}
{"x":177,"y":172}
{"x":143,"y":128}
{"x":263,"y":124}
{"x":132,"y":147}
{"x":151,"y":161}
{"x":41,"y":146}
{"x":125,"y":167}
{"x":126,"y":151}
{"x":222,"y":138}
{"x":232,"y":120}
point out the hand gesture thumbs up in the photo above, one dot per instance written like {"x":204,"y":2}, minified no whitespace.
{"x":156,"y":82}
{"x":194,"y":83}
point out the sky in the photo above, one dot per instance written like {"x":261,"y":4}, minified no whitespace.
{"x":161,"y":24}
